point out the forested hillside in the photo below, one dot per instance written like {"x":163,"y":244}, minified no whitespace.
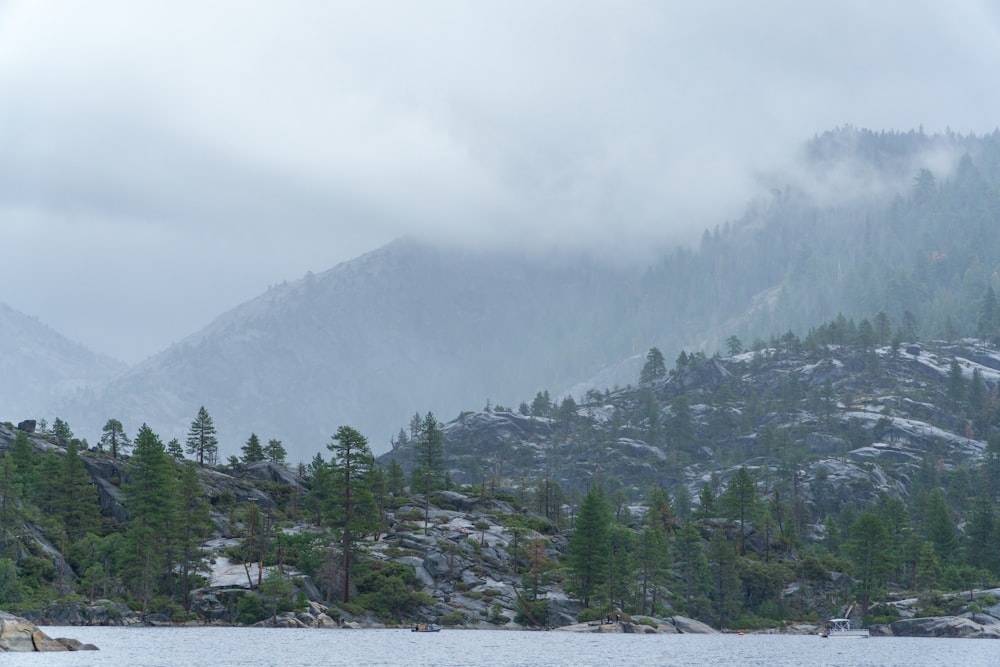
{"x":802,"y":479}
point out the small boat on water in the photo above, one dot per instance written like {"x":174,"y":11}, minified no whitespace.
{"x":426,"y":627}
{"x":841,"y":627}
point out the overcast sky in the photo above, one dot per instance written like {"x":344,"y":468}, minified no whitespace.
{"x":162,"y":162}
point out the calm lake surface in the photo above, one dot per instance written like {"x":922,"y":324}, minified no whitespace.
{"x":259,"y":647}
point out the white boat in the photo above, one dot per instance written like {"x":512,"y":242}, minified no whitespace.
{"x":841,"y":627}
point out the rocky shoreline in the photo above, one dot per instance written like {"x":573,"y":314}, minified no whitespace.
{"x":19,"y":635}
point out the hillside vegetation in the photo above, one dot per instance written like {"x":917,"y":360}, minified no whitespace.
{"x":805,"y":479}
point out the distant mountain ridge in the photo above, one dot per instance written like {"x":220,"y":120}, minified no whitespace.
{"x":38,"y":362}
{"x":402,"y":329}
{"x":411,"y":328}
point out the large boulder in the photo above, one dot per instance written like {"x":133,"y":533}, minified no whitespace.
{"x":942,"y":626}
{"x":21,"y":635}
{"x":689,"y":626}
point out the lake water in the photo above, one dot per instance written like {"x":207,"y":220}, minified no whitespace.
{"x":259,"y":647}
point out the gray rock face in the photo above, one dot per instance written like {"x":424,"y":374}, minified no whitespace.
{"x":690,"y":626}
{"x":21,"y":635}
{"x":943,"y":626}
{"x":266,"y":471}
{"x":102,"y":612}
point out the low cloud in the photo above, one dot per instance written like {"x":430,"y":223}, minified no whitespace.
{"x":174,"y":159}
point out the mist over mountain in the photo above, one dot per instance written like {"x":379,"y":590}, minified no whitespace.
{"x":405,"y":328}
{"x":37,"y":363}
{"x":861,"y":223}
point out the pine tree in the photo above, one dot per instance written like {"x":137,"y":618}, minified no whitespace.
{"x":654,"y":368}
{"x":956,"y":382}
{"x":430,"y":459}
{"x":741,"y":503}
{"x":151,"y":500}
{"x":11,"y":514}
{"x":175,"y":449}
{"x":707,"y":503}
{"x":621,"y":565}
{"x":989,"y":315}
{"x":692,"y":571}
{"x":275,"y":452}
{"x":253,"y":452}
{"x":939,"y":527}
{"x":61,"y":431}
{"x":589,"y":545}
{"x":113,"y":437}
{"x":395,"y":479}
{"x":652,"y":558}
{"x":725,"y":592}
{"x":195,"y":525}
{"x":24,"y":460}
{"x":981,"y":546}
{"x":354,"y":511}
{"x":659,"y":511}
{"x":734,"y":345}
{"x":867,"y":547}
{"x":79,"y":503}
{"x":201,"y":439}
{"x":321,"y":482}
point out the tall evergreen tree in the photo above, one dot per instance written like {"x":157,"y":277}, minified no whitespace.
{"x":61,"y":431}
{"x":621,"y":572}
{"x":654,"y":368}
{"x":939,"y":527}
{"x":354,"y":508}
{"x":194,"y":525}
{"x":430,"y":459}
{"x":395,"y":479}
{"x":725,"y":592}
{"x":80,"y":510}
{"x":275,"y":452}
{"x":741,"y":503}
{"x":24,"y":459}
{"x":734,"y":346}
{"x":652,"y":559}
{"x":981,"y":544}
{"x":691,"y":565}
{"x":201,"y":439}
{"x":321,"y":488}
{"x":253,"y":452}
{"x":151,"y":500}
{"x":867,"y":548}
{"x":11,"y":504}
{"x":113,"y":438}
{"x":989,"y":315}
{"x":956,"y":382}
{"x":589,"y":545}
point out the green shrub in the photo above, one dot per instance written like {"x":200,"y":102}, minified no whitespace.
{"x":250,"y":610}
{"x":881,"y":614}
{"x":532,"y":612}
{"x":411,"y":515}
{"x":588,"y":615}
{"x":452,"y":618}
{"x":389,"y":589}
{"x":496,"y":615}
